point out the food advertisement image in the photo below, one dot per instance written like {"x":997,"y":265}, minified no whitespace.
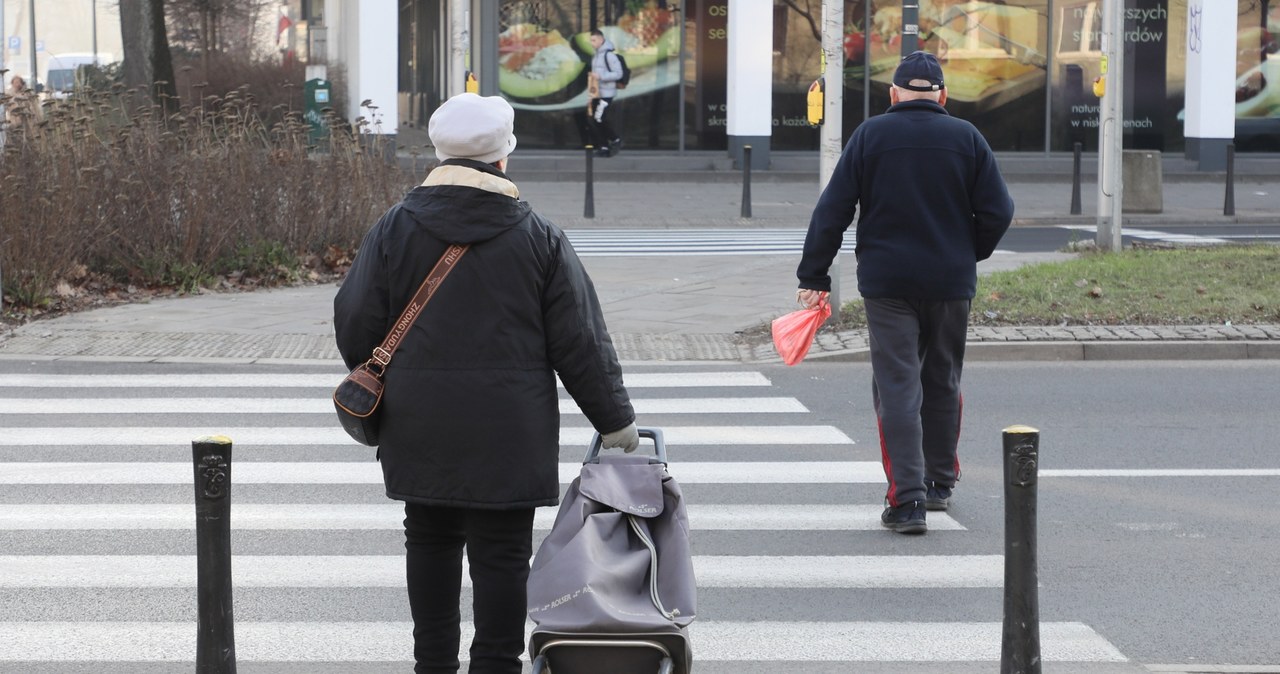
{"x":543,"y":62}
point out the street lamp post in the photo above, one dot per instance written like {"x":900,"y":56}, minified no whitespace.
{"x":35,"y":79}
{"x":1111,"y":128}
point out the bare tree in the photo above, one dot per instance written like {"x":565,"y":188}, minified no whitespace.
{"x":147,"y":61}
{"x":216,"y":26}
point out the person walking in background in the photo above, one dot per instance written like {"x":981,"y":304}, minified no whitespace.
{"x":22,"y":107}
{"x":931,"y":204}
{"x":602,"y":87}
{"x":470,"y":419}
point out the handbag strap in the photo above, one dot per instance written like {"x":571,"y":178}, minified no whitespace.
{"x":383,"y":352}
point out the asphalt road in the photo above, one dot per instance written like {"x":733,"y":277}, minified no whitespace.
{"x":1134,"y":569}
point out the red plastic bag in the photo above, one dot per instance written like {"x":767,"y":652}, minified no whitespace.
{"x":793,"y":333}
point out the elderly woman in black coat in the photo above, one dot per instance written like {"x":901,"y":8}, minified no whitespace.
{"x":470,"y":416}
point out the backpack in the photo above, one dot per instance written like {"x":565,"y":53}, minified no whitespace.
{"x":626,"y":72}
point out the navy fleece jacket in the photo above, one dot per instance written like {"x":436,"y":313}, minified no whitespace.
{"x":931,"y":204}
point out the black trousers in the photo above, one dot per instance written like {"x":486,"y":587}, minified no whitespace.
{"x":917,"y":353}
{"x":499,"y":544}
{"x":600,"y":122}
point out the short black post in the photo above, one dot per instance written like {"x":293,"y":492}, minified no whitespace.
{"x":1075,"y":179}
{"x":1020,"y":643}
{"x":589,"y":203}
{"x":1229,"y":204}
{"x":746,"y":181}
{"x":215,"y":640}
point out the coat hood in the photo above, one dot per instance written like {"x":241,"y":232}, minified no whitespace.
{"x":464,"y":201}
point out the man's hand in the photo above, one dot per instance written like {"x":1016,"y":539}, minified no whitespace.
{"x":627,"y":438}
{"x":811,"y":299}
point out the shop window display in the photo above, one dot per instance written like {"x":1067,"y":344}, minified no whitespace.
{"x":1007,"y":62}
{"x":544,"y":56}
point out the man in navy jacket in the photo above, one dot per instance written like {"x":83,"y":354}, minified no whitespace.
{"x":931,"y":204}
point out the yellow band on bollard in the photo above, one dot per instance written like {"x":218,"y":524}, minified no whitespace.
{"x":213,"y":439}
{"x":1018,"y":428}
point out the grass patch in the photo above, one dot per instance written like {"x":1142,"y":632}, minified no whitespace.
{"x":1139,"y":286}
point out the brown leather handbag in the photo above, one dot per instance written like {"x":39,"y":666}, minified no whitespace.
{"x":356,"y":399}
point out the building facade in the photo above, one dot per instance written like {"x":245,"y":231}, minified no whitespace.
{"x":1021,"y":70}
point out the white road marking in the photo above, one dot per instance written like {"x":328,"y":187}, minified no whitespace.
{"x":1153,"y":234}
{"x":390,"y":516}
{"x":714,"y":641}
{"x":312,"y":436}
{"x":323,"y":571}
{"x":324,"y":405}
{"x":369,"y":472}
{"x":329,"y":381}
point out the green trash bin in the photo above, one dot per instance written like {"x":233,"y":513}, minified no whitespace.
{"x":316,"y":94}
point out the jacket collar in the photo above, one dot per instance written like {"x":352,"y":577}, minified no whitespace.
{"x":918,"y":104}
{"x":468,"y":173}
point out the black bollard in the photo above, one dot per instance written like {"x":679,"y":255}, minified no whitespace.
{"x":1229,"y":203}
{"x":746,"y":181}
{"x":1075,"y":179}
{"x":1020,"y":643}
{"x":589,"y":202}
{"x":215,"y":640}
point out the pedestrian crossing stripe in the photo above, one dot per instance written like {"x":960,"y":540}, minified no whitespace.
{"x":313,"y":436}
{"x":689,"y":242}
{"x":324,"y":406}
{"x":172,"y":382}
{"x":390,"y":516}
{"x":369,"y":472}
{"x":1154,"y":235}
{"x":713,"y":641}
{"x":369,"y":571}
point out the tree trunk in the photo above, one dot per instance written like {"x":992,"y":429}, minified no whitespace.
{"x":147,"y":62}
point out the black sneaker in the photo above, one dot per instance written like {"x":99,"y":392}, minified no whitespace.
{"x":602,"y":152}
{"x":907,"y":518}
{"x":614,"y":146}
{"x":937,"y":497}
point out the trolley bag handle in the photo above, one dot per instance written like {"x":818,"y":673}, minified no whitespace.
{"x":655,"y":434}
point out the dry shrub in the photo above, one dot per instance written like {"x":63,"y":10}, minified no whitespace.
{"x":110,"y":187}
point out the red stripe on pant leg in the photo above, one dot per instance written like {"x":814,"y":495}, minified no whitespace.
{"x":959,"y":418}
{"x":888,"y":465}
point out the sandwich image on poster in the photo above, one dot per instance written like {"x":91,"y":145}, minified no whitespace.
{"x":538,"y":65}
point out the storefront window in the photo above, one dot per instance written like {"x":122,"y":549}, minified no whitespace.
{"x":1006,"y":61}
{"x":1258,"y":76}
{"x":544,"y":56}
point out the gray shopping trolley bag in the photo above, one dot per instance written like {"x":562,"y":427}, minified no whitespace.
{"x":613,"y":582}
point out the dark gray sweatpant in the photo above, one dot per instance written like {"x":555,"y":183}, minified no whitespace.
{"x":917,"y":352}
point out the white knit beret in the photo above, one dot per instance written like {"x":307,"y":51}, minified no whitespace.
{"x":468,"y":126}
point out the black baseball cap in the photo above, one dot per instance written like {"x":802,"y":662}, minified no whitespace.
{"x":919,"y":65}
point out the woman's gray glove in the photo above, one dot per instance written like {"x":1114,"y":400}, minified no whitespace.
{"x":627,"y":438}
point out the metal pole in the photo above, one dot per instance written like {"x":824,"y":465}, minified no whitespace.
{"x":589,"y":199}
{"x":1111,"y":129}
{"x":1020,"y":642}
{"x":458,"y":33}
{"x":1229,"y":203}
{"x":746,"y":181}
{"x":832,"y":134}
{"x":93,"y":21}
{"x":35,"y":78}
{"x":215,"y":640}
{"x":1075,"y":178}
{"x":910,"y":26}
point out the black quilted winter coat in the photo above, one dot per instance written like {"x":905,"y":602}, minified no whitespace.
{"x":470,"y":415}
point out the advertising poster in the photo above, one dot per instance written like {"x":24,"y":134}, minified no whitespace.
{"x":1258,"y":76}
{"x":992,"y":53}
{"x":545,"y":52}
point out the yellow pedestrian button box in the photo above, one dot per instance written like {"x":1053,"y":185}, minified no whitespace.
{"x":817,"y":102}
